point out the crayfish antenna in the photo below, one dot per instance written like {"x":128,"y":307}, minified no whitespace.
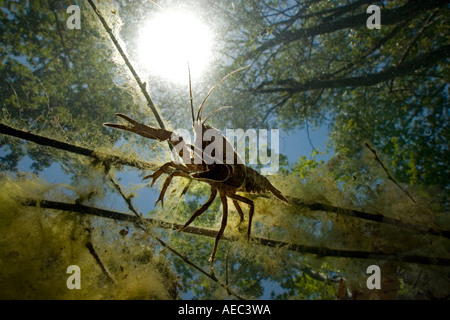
{"x":200,"y":109}
{"x":218,"y":109}
{"x":190,"y":94}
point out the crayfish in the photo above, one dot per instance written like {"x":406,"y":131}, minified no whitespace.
{"x":225,"y":175}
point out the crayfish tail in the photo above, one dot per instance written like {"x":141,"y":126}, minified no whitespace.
{"x":277,"y":193}
{"x":256,"y":183}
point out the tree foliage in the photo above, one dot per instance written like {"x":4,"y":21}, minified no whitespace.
{"x":56,"y":81}
{"x":317,"y":61}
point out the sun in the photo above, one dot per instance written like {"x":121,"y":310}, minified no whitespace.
{"x":172,"y":39}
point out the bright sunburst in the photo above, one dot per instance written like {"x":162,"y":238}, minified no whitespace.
{"x":172,"y":39}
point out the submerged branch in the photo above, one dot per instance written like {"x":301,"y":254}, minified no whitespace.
{"x":375,"y":217}
{"x":113,"y":159}
{"x":105,"y":271}
{"x":390,"y":177}
{"x":49,"y":142}
{"x":320,"y":251}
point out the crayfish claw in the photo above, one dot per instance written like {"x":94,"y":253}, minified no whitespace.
{"x":162,"y":202}
{"x":127,"y":118}
{"x":151,"y":176}
{"x":167,"y":183}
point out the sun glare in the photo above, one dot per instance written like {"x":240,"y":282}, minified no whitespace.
{"x":172,"y":39}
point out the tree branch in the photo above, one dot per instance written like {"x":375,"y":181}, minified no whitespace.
{"x":390,"y":177}
{"x":418,"y":34}
{"x":406,"y":68}
{"x":320,"y":251}
{"x":375,"y":47}
{"x":105,"y":271}
{"x":49,"y":142}
{"x":389,"y":16}
{"x":374,"y":217}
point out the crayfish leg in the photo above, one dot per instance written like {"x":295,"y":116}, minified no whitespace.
{"x":241,"y":213}
{"x":223,"y":198}
{"x":167,"y":183}
{"x":202,"y":209}
{"x":251,"y":212}
{"x":163,"y":169}
{"x":186,"y":188}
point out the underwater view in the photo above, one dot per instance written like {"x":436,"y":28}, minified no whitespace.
{"x":224,"y":150}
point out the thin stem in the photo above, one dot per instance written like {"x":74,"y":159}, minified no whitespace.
{"x":375,"y":217}
{"x":141,"y":84}
{"x":390,"y":177}
{"x":92,"y":251}
{"x":143,"y":227}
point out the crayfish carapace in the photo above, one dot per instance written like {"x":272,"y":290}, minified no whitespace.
{"x":226,"y":175}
